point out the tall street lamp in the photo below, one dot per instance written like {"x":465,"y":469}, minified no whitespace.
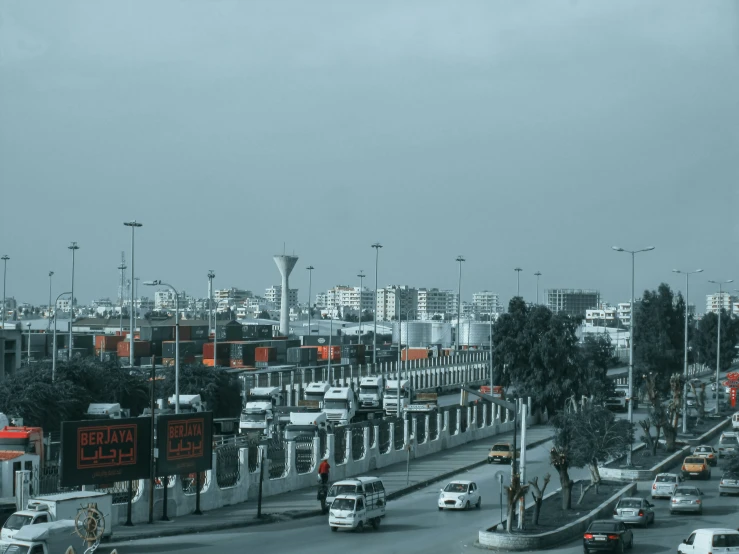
{"x":685,"y":353}
{"x":28,"y":354}
{"x":133,"y":225}
{"x":211,"y":276}
{"x":5,"y":259}
{"x":631,"y":341}
{"x":73,"y":247}
{"x":48,"y":314}
{"x":54,"y":351}
{"x":157,"y":283}
{"x":310,"y":269}
{"x":361,"y":276}
{"x":377,"y":247}
{"x":718,"y":334}
{"x":518,"y":271}
{"x":538,"y":274}
{"x":460,"y":260}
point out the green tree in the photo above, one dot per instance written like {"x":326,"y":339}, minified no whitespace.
{"x":596,"y":356}
{"x":264,"y":314}
{"x":705,"y":339}
{"x":659,"y":335}
{"x":536,"y":351}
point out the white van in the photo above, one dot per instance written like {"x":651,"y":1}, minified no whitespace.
{"x":355,"y":485}
{"x":728,"y":444}
{"x":716,"y":541}
{"x":735,"y":421}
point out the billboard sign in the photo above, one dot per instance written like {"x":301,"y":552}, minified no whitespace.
{"x":105,"y":451}
{"x":184,"y":443}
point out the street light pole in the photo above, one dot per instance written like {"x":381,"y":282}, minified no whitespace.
{"x":538,"y":274}
{"x":310,"y":269}
{"x":28,"y":353}
{"x":211,"y":276}
{"x":53,"y":353}
{"x":5,"y":259}
{"x":718,"y":334}
{"x":73,"y":247}
{"x":377,"y":247}
{"x":459,"y":259}
{"x":48,"y":315}
{"x":685,"y":353}
{"x":176,"y":340}
{"x":361,"y":276}
{"x":518,"y":271}
{"x":631,"y":342}
{"x":133,"y":225}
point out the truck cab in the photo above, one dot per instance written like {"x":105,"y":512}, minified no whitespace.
{"x":18,"y":520}
{"x":105,"y":411}
{"x":390,"y":399}
{"x":315,"y":392}
{"x":44,"y":538}
{"x":189,"y":403}
{"x":371,"y":390}
{"x":306,"y":424}
{"x":340,"y":405}
{"x":423,"y":403}
{"x":258,"y":414}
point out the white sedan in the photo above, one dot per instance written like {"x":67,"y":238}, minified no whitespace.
{"x":460,"y":495}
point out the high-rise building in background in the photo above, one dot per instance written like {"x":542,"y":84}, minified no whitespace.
{"x":397,"y":302}
{"x":435,"y":303}
{"x":485,"y":303}
{"x":724,"y":300}
{"x":273,"y":295}
{"x":573,"y":302}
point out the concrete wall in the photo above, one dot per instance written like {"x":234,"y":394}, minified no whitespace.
{"x":213,"y":496}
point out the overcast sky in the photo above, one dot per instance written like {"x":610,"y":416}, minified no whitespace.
{"x":517,"y":133}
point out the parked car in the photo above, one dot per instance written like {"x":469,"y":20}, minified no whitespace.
{"x":502,"y":453}
{"x":708,"y":452}
{"x":665,"y":484}
{"x":729,"y":484}
{"x":687,"y":499}
{"x":604,"y":535}
{"x":695,"y":467}
{"x":735,"y":421}
{"x":459,"y":495}
{"x":710,"y":541}
{"x":634,"y":511}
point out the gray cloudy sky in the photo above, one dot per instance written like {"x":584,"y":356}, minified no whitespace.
{"x":518,"y":133}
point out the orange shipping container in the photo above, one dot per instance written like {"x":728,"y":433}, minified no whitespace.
{"x":414,"y":354}
{"x":265,"y":354}
{"x":140,"y":348}
{"x":323,"y":352}
{"x":107,"y":343}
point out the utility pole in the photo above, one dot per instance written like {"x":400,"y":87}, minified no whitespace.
{"x":538,"y":274}
{"x":377,"y":247}
{"x":73,"y":247}
{"x":310,"y":269}
{"x":361,"y":276}
{"x":518,"y":271}
{"x":685,"y":353}
{"x":460,"y":260}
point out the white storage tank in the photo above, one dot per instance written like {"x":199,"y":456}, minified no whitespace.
{"x":474,"y":333}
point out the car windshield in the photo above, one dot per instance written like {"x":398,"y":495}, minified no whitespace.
{"x":602,"y":527}
{"x":728,"y":440}
{"x":686,"y":492}
{"x":666,"y":478}
{"x":368,"y":388}
{"x":730,"y":475}
{"x":698,"y":461}
{"x":16,"y":521}
{"x":704,"y":449}
{"x":253,"y":417}
{"x":629,"y":503}
{"x":336,"y":490}
{"x":501,"y":448}
{"x":334,"y":405}
{"x":455,"y":487}
{"x":343,"y":504}
{"x":730,"y":539}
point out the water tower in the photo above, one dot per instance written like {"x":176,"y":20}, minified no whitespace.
{"x":285,"y":264}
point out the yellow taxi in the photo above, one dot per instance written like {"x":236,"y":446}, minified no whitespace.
{"x":695,"y":467}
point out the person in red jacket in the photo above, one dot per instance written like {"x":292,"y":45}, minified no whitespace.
{"x":323,"y":471}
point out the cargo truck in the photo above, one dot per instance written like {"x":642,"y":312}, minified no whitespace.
{"x":340,"y":405}
{"x":371,"y":390}
{"x":258,"y":413}
{"x":316,"y":391}
{"x":57,"y":507}
{"x":306,"y":424}
{"x":45,"y":538}
{"x":390,"y":399}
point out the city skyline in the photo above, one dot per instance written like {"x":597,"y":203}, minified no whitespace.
{"x":540,"y":155}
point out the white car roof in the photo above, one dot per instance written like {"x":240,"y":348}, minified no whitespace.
{"x":460,"y":482}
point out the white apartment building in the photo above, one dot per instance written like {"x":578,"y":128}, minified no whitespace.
{"x":623,"y":311}
{"x":273,"y":295}
{"x":603,"y":317}
{"x":485,"y":303}
{"x":396,"y":301}
{"x":724,"y":301}
{"x":63,"y":304}
{"x":164,"y":300}
{"x":435,"y":302}
{"x":233,"y":295}
{"x":342,"y":296}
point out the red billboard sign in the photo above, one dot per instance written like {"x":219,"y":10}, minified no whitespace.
{"x":185,"y":443}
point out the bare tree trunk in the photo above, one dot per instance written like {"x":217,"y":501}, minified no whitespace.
{"x":594,"y":481}
{"x":566,"y":482}
{"x":538,"y":495}
{"x":514,"y":493}
{"x":657,"y":429}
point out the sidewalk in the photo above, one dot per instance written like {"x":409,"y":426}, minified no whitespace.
{"x":302,"y":503}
